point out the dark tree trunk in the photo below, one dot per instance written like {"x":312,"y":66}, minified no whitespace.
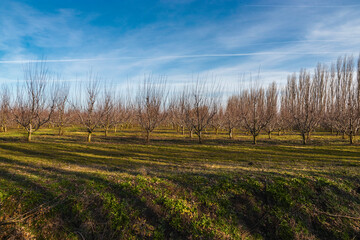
{"x":147,"y":136}
{"x":303,"y":135}
{"x":200,"y":137}
{"x":254,"y":139}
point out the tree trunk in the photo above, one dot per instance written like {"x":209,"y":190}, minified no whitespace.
{"x":115,"y":129}
{"x":254,"y":139}
{"x":343,"y":135}
{"x":182,"y":130}
{"x":147,"y":136}
{"x":89,"y":137}
{"x":351,"y":139}
{"x":231,"y":133}
{"x":269,"y":134}
{"x":29,"y":136}
{"x":106,"y":132}
{"x":216,"y":131}
{"x":61,"y":131}
{"x":200,"y":139}
{"x":303,"y":135}
{"x":190,"y":133}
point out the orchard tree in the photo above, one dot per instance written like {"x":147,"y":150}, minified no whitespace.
{"x":272,"y":109}
{"x":200,"y":106}
{"x":35,"y":103}
{"x":257,"y":108}
{"x":347,"y":98}
{"x":150,"y":104}
{"x":88,"y":109}
{"x":331,"y":109}
{"x":123,"y":113}
{"x":231,"y":115}
{"x":305,"y":100}
{"x":218,"y":120}
{"x":108,"y":109}
{"x":5,"y":110}
{"x":62,"y":115}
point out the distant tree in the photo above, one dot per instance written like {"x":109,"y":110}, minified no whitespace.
{"x":5,"y":109}
{"x":108,"y":108}
{"x":88,"y":109}
{"x":331,"y":112}
{"x":272,"y":109}
{"x":305,"y":101}
{"x":150,"y":104}
{"x":200,"y":106}
{"x":61,"y":116}
{"x":123,"y":112}
{"x":284,"y":121}
{"x":183,"y":108}
{"x":218,"y":120}
{"x":358,"y":80}
{"x":173,"y":113}
{"x":34,"y":104}
{"x":347,"y":98}
{"x":257,"y":108}
{"x":232,"y":115}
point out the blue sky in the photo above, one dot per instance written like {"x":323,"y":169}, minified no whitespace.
{"x":125,"y":40}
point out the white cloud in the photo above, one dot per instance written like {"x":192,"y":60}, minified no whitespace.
{"x":277,"y":39}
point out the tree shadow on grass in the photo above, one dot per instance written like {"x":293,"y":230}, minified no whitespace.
{"x":71,"y":218}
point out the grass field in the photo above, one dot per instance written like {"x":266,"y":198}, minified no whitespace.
{"x":173,"y":188}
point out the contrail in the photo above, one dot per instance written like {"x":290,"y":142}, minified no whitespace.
{"x":223,"y":55}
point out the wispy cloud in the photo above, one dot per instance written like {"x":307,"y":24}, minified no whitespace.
{"x":277,"y":39}
{"x":169,"y":57}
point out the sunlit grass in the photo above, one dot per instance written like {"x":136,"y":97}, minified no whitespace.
{"x":173,"y":188}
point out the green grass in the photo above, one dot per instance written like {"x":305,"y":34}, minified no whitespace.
{"x":173,"y":188}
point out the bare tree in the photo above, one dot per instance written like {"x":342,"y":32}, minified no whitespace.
{"x":257,"y":108}
{"x":34,"y":104}
{"x":347,"y":98}
{"x":61,"y":114}
{"x":200,"y":105}
{"x":305,"y":100}
{"x":123,"y":113}
{"x":4,"y":108}
{"x":108,"y":109}
{"x":358,"y":79}
{"x":272,"y":109}
{"x":174,"y":113}
{"x":150,"y":104}
{"x":284,"y":120}
{"x":218,"y":120}
{"x":331,"y":113}
{"x":89,"y":112}
{"x":231,"y":116}
{"x":183,"y":112}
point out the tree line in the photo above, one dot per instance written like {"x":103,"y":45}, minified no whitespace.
{"x":326,"y":98}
